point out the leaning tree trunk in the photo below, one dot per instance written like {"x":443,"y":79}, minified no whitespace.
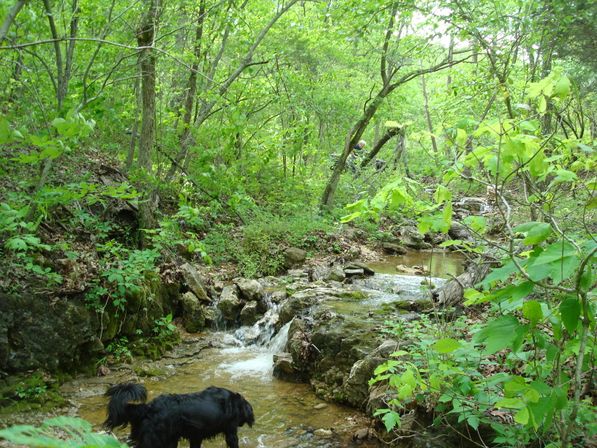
{"x":452,"y":292}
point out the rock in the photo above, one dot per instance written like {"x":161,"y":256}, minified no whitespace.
{"x":284,"y":368}
{"x":356,"y":386}
{"x":194,"y":282}
{"x":193,"y":316}
{"x":459,"y":232}
{"x":293,"y":257}
{"x":278,"y":296}
{"x":422,"y":304}
{"x":325,"y":273}
{"x":336,"y":274}
{"x":40,"y":332}
{"x":362,"y":435}
{"x":323,"y":433}
{"x":359,"y":265}
{"x":414,"y":270}
{"x":353,"y":272}
{"x":413,"y":239}
{"x":249,"y":314}
{"x":393,"y":248}
{"x":229,"y":304}
{"x":249,"y":289}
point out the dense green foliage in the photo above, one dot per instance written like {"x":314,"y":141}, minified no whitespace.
{"x":137,"y":134}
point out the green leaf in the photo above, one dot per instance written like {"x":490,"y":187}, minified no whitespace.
{"x":446,"y":345}
{"x":535,"y":232}
{"x":570,"y":312}
{"x":510,"y":403}
{"x":391,"y":420}
{"x":558,"y":261}
{"x":498,"y":333}
{"x":522,"y":416}
{"x":473,"y":422}
{"x":532,"y":311}
{"x":562,"y":87}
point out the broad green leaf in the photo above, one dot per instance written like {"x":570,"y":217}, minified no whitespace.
{"x":391,"y":420}
{"x":570,"y":312}
{"x":562,"y":87}
{"x":558,"y":261}
{"x":442,"y":194}
{"x":446,"y":345}
{"x":535,"y":232}
{"x":532,"y":311}
{"x":499,"y":333}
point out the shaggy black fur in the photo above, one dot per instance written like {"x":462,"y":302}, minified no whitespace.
{"x":162,"y":422}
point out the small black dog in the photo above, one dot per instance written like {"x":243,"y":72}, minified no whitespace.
{"x":162,"y":422}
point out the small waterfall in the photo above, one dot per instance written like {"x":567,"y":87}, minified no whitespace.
{"x":278,"y":343}
{"x":255,"y":345}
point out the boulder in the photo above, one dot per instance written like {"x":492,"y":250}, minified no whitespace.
{"x":293,"y":257}
{"x":249,"y":289}
{"x":229,"y":304}
{"x":194,"y":282}
{"x":284,"y":369}
{"x":193,"y":315}
{"x":37,"y":332}
{"x":249,"y":314}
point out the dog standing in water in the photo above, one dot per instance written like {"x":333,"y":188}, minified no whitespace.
{"x":162,"y":422}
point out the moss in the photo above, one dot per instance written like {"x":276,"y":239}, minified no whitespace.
{"x":353,"y":295}
{"x":22,"y":393}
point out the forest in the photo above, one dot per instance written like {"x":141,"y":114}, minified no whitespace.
{"x":374,"y":219}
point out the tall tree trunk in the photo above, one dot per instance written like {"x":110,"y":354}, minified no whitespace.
{"x":147,"y":62}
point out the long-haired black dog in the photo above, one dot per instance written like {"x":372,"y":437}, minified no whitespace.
{"x":162,"y":422}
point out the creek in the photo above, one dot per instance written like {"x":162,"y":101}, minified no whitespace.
{"x":287,"y":414}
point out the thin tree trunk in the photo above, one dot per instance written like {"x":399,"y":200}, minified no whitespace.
{"x":428,"y":113}
{"x":192,"y":84}
{"x":135,"y":131}
{"x":70,"y":47}
{"x":60,"y":92}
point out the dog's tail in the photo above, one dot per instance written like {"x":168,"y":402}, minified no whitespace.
{"x":120,"y":409}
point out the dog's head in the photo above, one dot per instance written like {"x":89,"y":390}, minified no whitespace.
{"x":245,"y":411}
